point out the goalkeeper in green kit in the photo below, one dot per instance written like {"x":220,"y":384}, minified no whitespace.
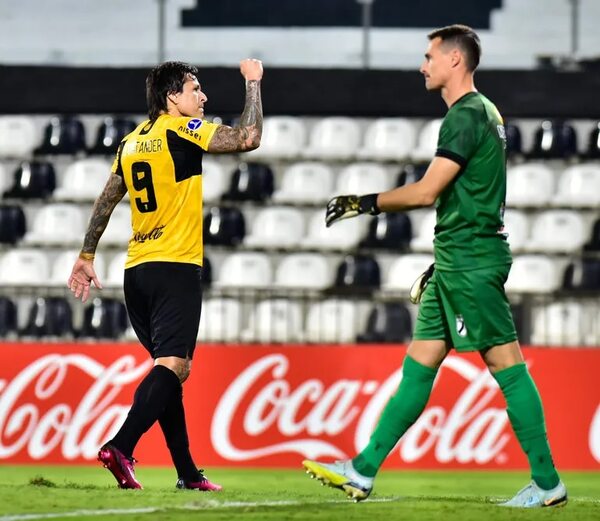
{"x":463,"y":303}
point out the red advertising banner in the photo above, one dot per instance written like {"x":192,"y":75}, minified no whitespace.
{"x":276,"y":405}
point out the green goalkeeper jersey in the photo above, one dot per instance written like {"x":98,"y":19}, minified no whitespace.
{"x":469,"y":230}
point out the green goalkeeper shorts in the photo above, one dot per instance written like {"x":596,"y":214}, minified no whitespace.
{"x":467,"y":309}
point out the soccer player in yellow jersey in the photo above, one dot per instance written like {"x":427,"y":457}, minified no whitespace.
{"x":160,"y":165}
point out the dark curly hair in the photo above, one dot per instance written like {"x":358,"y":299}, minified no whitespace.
{"x":165,"y":79}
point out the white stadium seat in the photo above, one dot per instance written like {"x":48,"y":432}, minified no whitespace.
{"x":579,"y":186}
{"x":245,"y":269}
{"x":306,"y":182}
{"x":84,"y":180}
{"x":24,"y":268}
{"x":516,"y":226}
{"x":221,"y":320}
{"x":424,"y":240}
{"x":303,"y":271}
{"x":529,"y":184}
{"x":215,"y":180}
{"x":342,"y":235}
{"x":115,"y":271}
{"x":533,"y":274}
{"x":57,"y":224}
{"x":19,"y":136}
{"x":362,"y":178}
{"x":404,"y":271}
{"x":334,"y":138}
{"x":276,"y":227}
{"x":427,"y":142}
{"x":332,"y":321}
{"x":557,"y":231}
{"x":118,"y":231}
{"x":560,"y":324}
{"x":283,"y":137}
{"x":389,"y":139}
{"x":276,"y":320}
{"x":63,"y":264}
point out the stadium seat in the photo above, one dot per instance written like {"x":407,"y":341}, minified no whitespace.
{"x":104,"y":318}
{"x":357,"y":273}
{"x":424,"y":240}
{"x":594,"y":243}
{"x":18,"y":136}
{"x":83,"y":180}
{"x":514,"y":146}
{"x":404,"y":271}
{"x":559,"y":324}
{"x":387,"y":323}
{"x":110,"y":134}
{"x":49,"y":317}
{"x":582,"y":275}
{"x":276,"y":227}
{"x":275,"y":320}
{"x":115,"y":271}
{"x":32,"y":180}
{"x":8,"y":317}
{"x":24,"y":267}
{"x":12,"y":224}
{"x":516,"y":226}
{"x":305,"y":183}
{"x":554,"y":140}
{"x":250,"y":182}
{"x":331,"y":321}
{"x":215,"y":180}
{"x":245,"y":269}
{"x":558,"y":231}
{"x":362,"y":178}
{"x":118,"y":232}
{"x":593,"y":148}
{"x":283,"y":137}
{"x":411,"y":174}
{"x":64,"y":135}
{"x":579,"y":186}
{"x":221,"y":320}
{"x":334,"y":138}
{"x":390,"y":231}
{"x":389,"y":139}
{"x":529,"y":184}
{"x":533,"y":274}
{"x":224,"y":226}
{"x":57,"y":224}
{"x":207,"y":272}
{"x":62,"y":266}
{"x":427,"y":141}
{"x":343,"y":235}
{"x":303,"y":271}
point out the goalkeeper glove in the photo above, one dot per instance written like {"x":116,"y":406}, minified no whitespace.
{"x":346,"y":206}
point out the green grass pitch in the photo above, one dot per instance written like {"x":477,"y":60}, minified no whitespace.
{"x":29,"y":493}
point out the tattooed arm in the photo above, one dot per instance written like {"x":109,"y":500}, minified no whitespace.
{"x":246,"y":136}
{"x":83,"y":270}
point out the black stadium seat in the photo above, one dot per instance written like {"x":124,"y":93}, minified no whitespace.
{"x":554,"y":140}
{"x":356,"y":273}
{"x":388,"y":322}
{"x":105,"y":318}
{"x":12,"y":224}
{"x":49,"y":317}
{"x":110,"y":134}
{"x":514,"y":143}
{"x":389,"y":230}
{"x":224,"y":226}
{"x":8,"y":317}
{"x":593,"y":149}
{"x":582,"y":275}
{"x":64,"y":135}
{"x":251,"y":182}
{"x":32,"y":180}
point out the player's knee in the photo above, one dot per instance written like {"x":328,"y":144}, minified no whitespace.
{"x":180,"y":366}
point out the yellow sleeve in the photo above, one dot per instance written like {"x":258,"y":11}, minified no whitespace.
{"x":116,"y":166}
{"x":196,"y":130}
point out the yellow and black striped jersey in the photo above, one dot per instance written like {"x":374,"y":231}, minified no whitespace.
{"x":161,"y":164}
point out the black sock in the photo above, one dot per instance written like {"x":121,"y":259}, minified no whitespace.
{"x":151,"y":398}
{"x":172,"y":423}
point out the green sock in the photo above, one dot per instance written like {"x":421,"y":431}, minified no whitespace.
{"x":399,"y":414}
{"x":524,"y":407}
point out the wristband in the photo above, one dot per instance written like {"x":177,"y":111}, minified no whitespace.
{"x":87,"y":256}
{"x":368,"y":204}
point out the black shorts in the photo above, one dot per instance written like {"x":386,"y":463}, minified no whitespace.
{"x":164,"y":301}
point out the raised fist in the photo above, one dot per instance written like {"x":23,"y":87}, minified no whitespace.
{"x":251,"y":69}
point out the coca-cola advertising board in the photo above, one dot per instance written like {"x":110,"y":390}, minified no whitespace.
{"x":276,"y":405}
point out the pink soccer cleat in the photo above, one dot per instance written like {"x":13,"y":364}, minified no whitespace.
{"x":120,"y":465}
{"x":202,"y":484}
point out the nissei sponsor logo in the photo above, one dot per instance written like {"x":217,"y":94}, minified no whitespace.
{"x":194,"y":124}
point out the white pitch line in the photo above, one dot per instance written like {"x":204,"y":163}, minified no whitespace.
{"x":153,"y":510}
